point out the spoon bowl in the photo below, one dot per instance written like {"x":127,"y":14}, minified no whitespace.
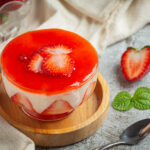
{"x":131,"y":135}
{"x":135,"y":133}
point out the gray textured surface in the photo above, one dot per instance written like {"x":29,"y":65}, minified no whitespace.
{"x":117,"y":121}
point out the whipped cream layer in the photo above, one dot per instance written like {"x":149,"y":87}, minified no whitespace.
{"x":41,"y":102}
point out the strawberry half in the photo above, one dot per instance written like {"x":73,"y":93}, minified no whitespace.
{"x":52,"y":60}
{"x":57,"y":65}
{"x":56,"y":49}
{"x":11,"y":5}
{"x":88,"y":91}
{"x":58,"y":107}
{"x":22,"y":101}
{"x":35,"y":62}
{"x":135,"y":63}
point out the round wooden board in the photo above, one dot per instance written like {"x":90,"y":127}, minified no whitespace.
{"x":83,"y":122}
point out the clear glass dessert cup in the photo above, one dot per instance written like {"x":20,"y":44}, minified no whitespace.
{"x":29,"y":102}
{"x":48,"y":82}
{"x":12,"y":12}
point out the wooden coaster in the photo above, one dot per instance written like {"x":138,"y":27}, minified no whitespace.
{"x":83,"y":122}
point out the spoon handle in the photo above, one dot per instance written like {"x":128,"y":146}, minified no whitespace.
{"x":120,"y":142}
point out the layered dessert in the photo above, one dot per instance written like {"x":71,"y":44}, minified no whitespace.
{"x":48,"y":73}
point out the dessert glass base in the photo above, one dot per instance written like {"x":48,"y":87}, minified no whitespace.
{"x":55,"y":107}
{"x":40,"y":117}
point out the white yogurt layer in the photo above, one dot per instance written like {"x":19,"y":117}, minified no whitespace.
{"x":40,"y":102}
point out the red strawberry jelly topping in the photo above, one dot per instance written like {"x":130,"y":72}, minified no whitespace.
{"x":56,"y":60}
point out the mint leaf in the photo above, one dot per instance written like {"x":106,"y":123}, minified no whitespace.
{"x":141,"y":98}
{"x":122,"y":101}
{"x":4,"y":17}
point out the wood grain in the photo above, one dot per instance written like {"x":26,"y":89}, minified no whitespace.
{"x":83,"y":122}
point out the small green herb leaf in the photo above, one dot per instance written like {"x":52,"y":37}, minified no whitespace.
{"x":122,"y":101}
{"x":3,"y":17}
{"x":141,"y":98}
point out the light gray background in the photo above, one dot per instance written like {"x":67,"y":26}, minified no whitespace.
{"x":116,"y":122}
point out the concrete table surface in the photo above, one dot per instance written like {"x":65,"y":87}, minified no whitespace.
{"x":116,"y":122}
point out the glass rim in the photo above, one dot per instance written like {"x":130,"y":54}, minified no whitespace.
{"x":85,"y":80}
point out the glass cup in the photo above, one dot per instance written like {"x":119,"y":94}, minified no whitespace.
{"x":48,"y":107}
{"x":12,"y":12}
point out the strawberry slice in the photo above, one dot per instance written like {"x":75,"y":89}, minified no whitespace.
{"x":135,"y":63}
{"x":22,"y":101}
{"x":58,"y":107}
{"x":56,"y":49}
{"x":59,"y":64}
{"x":88,"y":91}
{"x":35,"y":62}
{"x":52,"y":60}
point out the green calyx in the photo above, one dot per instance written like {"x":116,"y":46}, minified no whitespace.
{"x":140,"y":100}
{"x":147,"y":46}
{"x":135,"y":49}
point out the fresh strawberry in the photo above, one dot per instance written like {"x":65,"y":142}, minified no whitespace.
{"x":22,"y":101}
{"x":56,"y":49}
{"x":11,"y":5}
{"x":59,"y":64}
{"x":135,"y":63}
{"x":58,"y":107}
{"x":84,"y":97}
{"x":51,"y":60}
{"x":90,"y":89}
{"x":35,"y":62}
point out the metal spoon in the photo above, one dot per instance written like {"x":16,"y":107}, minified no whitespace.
{"x":132,"y":135}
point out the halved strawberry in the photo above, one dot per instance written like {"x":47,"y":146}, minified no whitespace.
{"x":59,"y":64}
{"x":58,"y":107}
{"x":11,"y":5}
{"x":52,"y":60}
{"x":22,"y":101}
{"x":84,"y":97}
{"x":88,"y":91}
{"x":53,"y":50}
{"x":35,"y":62}
{"x":135,"y":63}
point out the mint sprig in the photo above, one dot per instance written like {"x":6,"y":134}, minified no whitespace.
{"x":122,"y":101}
{"x":140,"y":100}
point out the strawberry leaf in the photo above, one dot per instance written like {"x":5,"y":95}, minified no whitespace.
{"x":141,"y":98}
{"x":122,"y":101}
{"x":147,"y":46}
